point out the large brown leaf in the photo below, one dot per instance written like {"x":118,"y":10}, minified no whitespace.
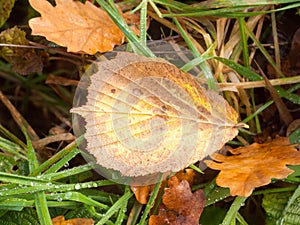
{"x":146,"y":116}
{"x":254,"y":165}
{"x":77,"y":26}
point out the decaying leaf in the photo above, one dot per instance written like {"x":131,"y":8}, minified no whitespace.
{"x":145,"y":116}
{"x":24,"y":60}
{"x":77,"y":26}
{"x":5,"y":10}
{"x":60,"y":220}
{"x":142,"y":192}
{"x":180,"y":206}
{"x":254,"y":165}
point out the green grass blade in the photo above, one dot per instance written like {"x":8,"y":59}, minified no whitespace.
{"x":243,"y":71}
{"x":77,"y":197}
{"x":61,"y":154}
{"x":130,"y":35}
{"x":42,"y":209}
{"x":287,"y":95}
{"x":15,"y":204}
{"x":121,"y":214}
{"x":12,"y":148}
{"x":32,"y":158}
{"x":21,"y":180}
{"x":195,"y":62}
{"x":244,"y":40}
{"x":67,"y":173}
{"x":204,"y":65}
{"x":263,"y":50}
{"x":115,"y":207}
{"x":12,"y":137}
{"x":64,"y":161}
{"x":258,"y":111}
{"x":143,"y":23}
{"x":232,"y":212}
{"x":52,"y":187}
{"x":151,"y":202}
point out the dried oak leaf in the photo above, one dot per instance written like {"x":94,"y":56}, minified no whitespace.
{"x":24,"y":60}
{"x":60,"y":220}
{"x":254,"y":165}
{"x":79,"y":27}
{"x":180,"y":205}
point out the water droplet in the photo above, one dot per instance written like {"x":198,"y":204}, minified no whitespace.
{"x":68,"y":195}
{"x":77,"y":186}
{"x":59,"y":199}
{"x":67,"y":164}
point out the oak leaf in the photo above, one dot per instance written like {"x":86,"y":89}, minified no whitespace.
{"x":180,"y":206}
{"x":77,"y":26}
{"x":60,"y":220}
{"x":254,"y":165}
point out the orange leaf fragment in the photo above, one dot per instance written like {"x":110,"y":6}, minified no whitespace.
{"x":77,"y":26}
{"x":254,"y":165}
{"x":180,"y":205}
{"x":142,"y":192}
{"x":60,"y":220}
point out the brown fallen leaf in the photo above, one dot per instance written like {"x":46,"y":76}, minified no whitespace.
{"x":80,"y":27}
{"x":60,"y":220}
{"x":254,"y":165}
{"x":180,"y":206}
{"x":142,"y":192}
{"x":145,"y":116}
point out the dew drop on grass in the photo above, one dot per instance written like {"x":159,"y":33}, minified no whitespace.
{"x":67,"y":164}
{"x":77,"y":186}
{"x":59,"y":199}
{"x":68,"y":195}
